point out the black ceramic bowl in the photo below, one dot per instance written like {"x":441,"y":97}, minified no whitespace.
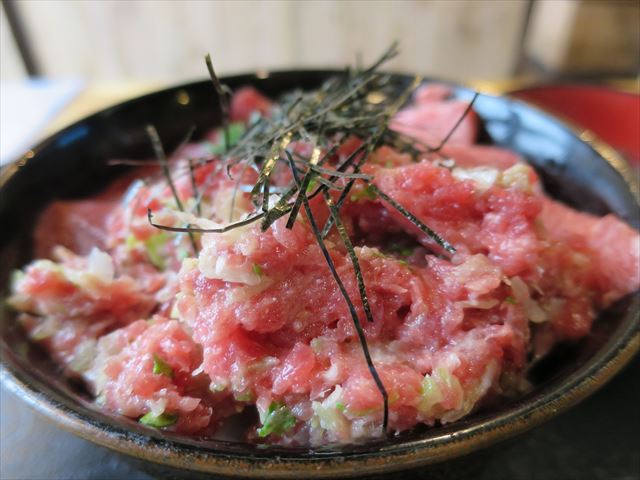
{"x":72,"y":164}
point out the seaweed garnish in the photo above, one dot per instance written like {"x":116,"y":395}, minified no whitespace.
{"x":192,"y":229}
{"x":352,"y":310}
{"x":413,"y":219}
{"x":143,"y":163}
{"x":194,"y":187}
{"x":359,"y":104}
{"x":371,"y":143}
{"x":158,"y":149}
{"x":456,"y":125}
{"x":335,"y":215}
{"x":223,"y":97}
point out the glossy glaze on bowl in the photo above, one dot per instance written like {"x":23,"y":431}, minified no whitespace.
{"x":72,"y":164}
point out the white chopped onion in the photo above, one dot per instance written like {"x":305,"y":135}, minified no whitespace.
{"x":519,"y":289}
{"x":517,"y":177}
{"x":222,"y":202}
{"x":218,"y":268}
{"x":100,"y":264}
{"x":328,"y":415}
{"x":484,"y":304}
{"x":48,"y":327}
{"x":158,"y":406}
{"x":331,"y":375}
{"x":483,"y":177}
{"x":535,"y":313}
{"x":83,"y":357}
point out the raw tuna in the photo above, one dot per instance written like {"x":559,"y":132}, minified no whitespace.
{"x":180,"y":332}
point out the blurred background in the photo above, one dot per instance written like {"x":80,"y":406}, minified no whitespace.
{"x":103,"y":40}
{"x":107,"y":50}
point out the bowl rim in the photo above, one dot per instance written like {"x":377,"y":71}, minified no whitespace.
{"x":612,"y":356}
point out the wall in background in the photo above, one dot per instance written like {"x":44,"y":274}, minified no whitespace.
{"x":585,"y":37}
{"x":11,"y":66}
{"x":166,"y":40}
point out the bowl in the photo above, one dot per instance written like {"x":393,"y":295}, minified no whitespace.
{"x":72,"y":163}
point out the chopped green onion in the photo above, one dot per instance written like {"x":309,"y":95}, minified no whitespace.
{"x":158,"y":421}
{"x":317,"y":344}
{"x":511,"y":300}
{"x":313,"y":183}
{"x":243,"y":397}
{"x":366,"y":193}
{"x":182,"y":253}
{"x":154,"y":245}
{"x":16,"y":276}
{"x":363,"y":413}
{"x":403,"y":251}
{"x":160,"y":367}
{"x":235,"y":133}
{"x":257,"y":269}
{"x":217,"y":387}
{"x":279,"y":420}
{"x":131,"y":242}
{"x":375,"y":252}
{"x":340,"y":406}
{"x":430,"y":394}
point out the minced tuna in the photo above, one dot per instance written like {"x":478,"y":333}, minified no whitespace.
{"x":181,"y":339}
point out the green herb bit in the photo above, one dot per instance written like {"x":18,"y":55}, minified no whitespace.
{"x":160,"y":367}
{"x":158,"y":149}
{"x":16,"y":276}
{"x":154,"y":245}
{"x":217,"y":387}
{"x":511,"y":300}
{"x":182,"y":253}
{"x":340,"y":406}
{"x":131,"y":242}
{"x":236,"y":130}
{"x":158,"y":421}
{"x":257,"y":269}
{"x":279,"y":420}
{"x":367,"y":193}
{"x":401,"y":250}
{"x":313,"y":183}
{"x":243,"y":397}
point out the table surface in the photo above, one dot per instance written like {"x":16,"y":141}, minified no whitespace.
{"x":598,"y":439}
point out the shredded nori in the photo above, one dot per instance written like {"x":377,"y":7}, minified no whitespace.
{"x":413,"y":219}
{"x":358,"y":104}
{"x":192,"y":229}
{"x":158,"y":149}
